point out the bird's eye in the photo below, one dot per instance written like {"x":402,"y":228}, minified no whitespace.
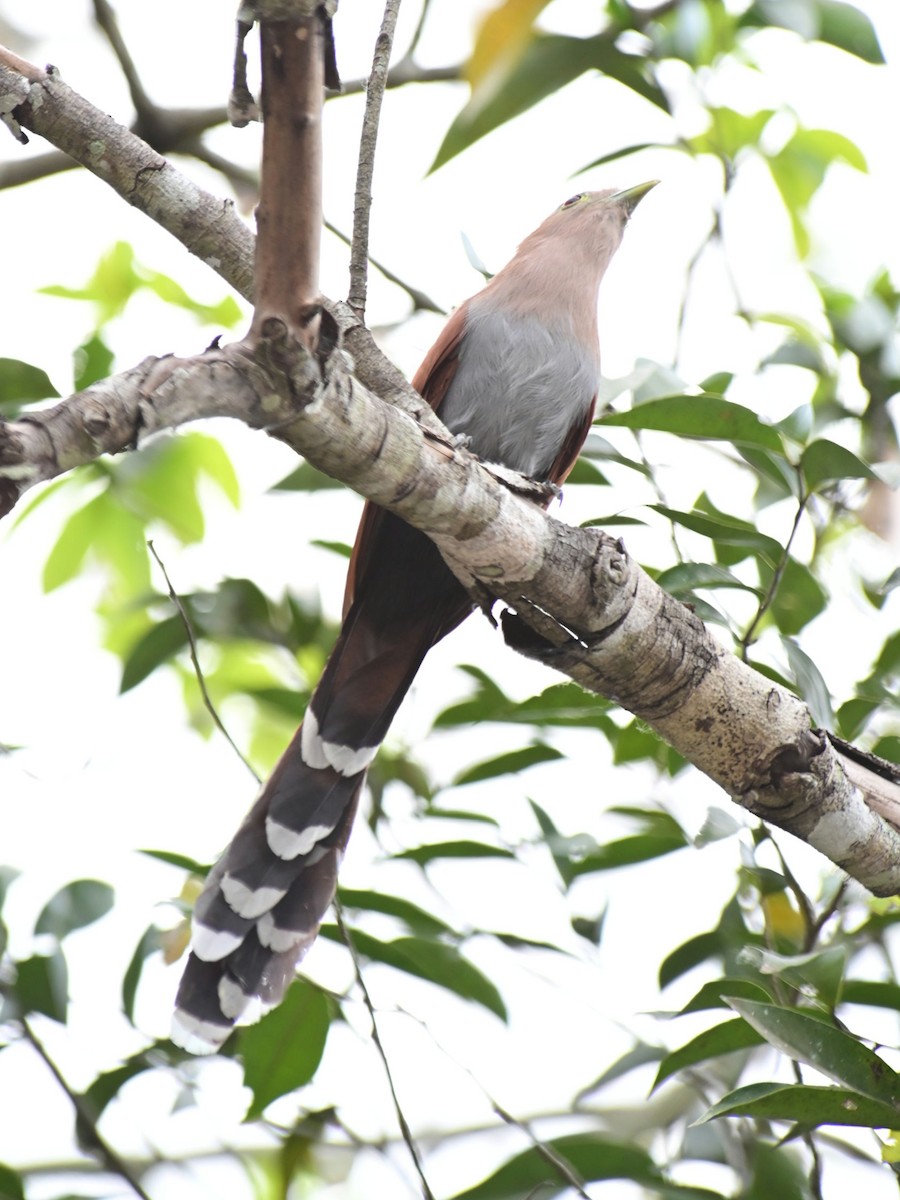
{"x":573,"y":200}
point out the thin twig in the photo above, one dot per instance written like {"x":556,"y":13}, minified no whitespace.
{"x":803,"y":901}
{"x":195,"y":660}
{"x":546,"y":1152}
{"x":362,"y":202}
{"x":105,"y":16}
{"x":828,"y":911}
{"x":111,"y":1159}
{"x":417,"y":33}
{"x":405,"y":1130}
{"x":564,"y":1169}
{"x":747,"y":639}
{"x":403,"y":73}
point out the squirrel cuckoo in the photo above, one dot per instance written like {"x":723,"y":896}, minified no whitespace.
{"x":515,"y":370}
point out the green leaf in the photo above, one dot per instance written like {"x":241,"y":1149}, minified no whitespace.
{"x":799,"y":167}
{"x":557,"y":844}
{"x":584,"y":471}
{"x":797,"y":353}
{"x":798,"y":599}
{"x":181,"y":861}
{"x":107,"y":1086}
{"x":458,"y":849}
{"x":731,"y":131}
{"x":339,"y":548}
{"x":623,"y":152}
{"x":11,"y":1187}
{"x":226,"y":312}
{"x":459,"y":814}
{"x":844,"y":26}
{"x":158,"y":645}
{"x":148,"y":944}
{"x":590,"y":1158}
{"x":704,"y":417}
{"x":92,"y":360}
{"x":74,"y":906}
{"x":282,"y":1052}
{"x":214,"y":461}
{"x":437,"y":962}
{"x":804,"y":1104}
{"x":839,"y":24}
{"x":727,"y":531}
{"x":837,"y":1054}
{"x":684,"y":578}
{"x":638,"y":1056}
{"x":488,"y":703}
{"x":714,"y":994}
{"x":810,"y":684}
{"x":820,"y":972}
{"x":548,"y":63}
{"x":7,"y":876}
{"x":563,"y":704}
{"x":306,"y":478}
{"x":162,"y":485}
{"x":718,"y":824}
{"x":712,"y":1043}
{"x":873,"y":992}
{"x":411,"y":914}
{"x":42,"y":985}
{"x":113,"y":283}
{"x":507,"y":764}
{"x":611,"y":519}
{"x":825,"y":462}
{"x":627,"y":851}
{"x":21,"y":383}
{"x":70,"y":548}
{"x":689,"y":954}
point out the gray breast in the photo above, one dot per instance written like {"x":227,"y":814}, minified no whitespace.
{"x":518,"y":390}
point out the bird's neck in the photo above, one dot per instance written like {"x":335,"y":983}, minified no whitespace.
{"x":559,"y":289}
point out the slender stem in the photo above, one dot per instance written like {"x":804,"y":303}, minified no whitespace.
{"x":113,"y":1162}
{"x":563,"y":1169}
{"x":747,"y":639}
{"x":362,"y":203}
{"x":417,"y":32}
{"x":195,"y":660}
{"x":403,"y":73}
{"x":405,"y":1130}
{"x":105,"y":16}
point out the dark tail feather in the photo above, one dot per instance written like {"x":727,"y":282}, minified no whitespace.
{"x":215,"y":993}
{"x":264,"y":900}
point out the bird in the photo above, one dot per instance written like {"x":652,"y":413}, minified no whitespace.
{"x":514,"y":374}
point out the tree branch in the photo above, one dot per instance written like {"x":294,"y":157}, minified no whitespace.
{"x":289,"y":214}
{"x":581,"y":604}
{"x":205,"y":224}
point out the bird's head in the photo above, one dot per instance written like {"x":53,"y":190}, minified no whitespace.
{"x":598,"y":217}
{"x":587,"y":228}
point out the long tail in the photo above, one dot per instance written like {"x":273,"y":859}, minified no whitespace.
{"x":264,"y":900}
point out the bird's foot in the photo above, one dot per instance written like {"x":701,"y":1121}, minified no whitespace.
{"x":541,"y":491}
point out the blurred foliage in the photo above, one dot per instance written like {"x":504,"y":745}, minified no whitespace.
{"x":782,"y":967}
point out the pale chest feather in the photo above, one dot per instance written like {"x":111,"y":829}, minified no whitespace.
{"x":519,"y":388}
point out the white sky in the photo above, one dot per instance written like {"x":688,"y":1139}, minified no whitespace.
{"x":103,"y":776}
